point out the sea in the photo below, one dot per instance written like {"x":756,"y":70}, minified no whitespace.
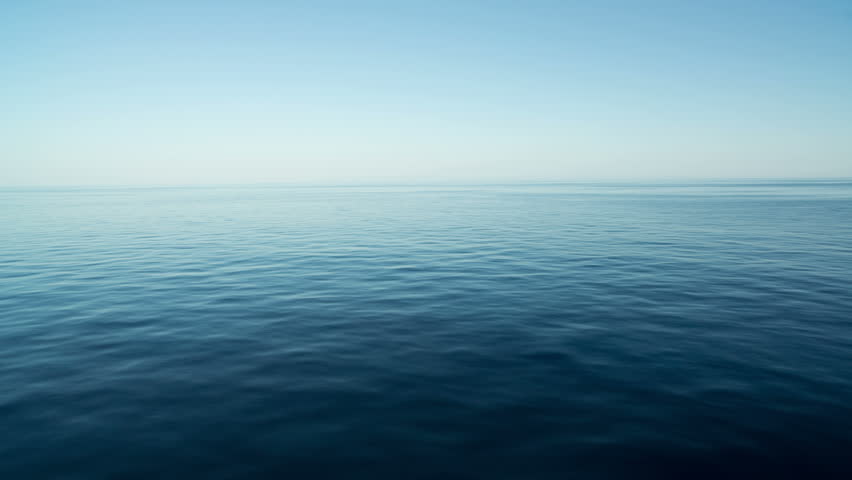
{"x":543,"y":331}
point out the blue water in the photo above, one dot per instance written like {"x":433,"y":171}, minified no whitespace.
{"x":518,"y":332}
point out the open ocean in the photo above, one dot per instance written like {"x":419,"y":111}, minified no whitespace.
{"x":582,"y":331}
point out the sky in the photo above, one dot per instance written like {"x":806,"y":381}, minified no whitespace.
{"x":349,"y":91}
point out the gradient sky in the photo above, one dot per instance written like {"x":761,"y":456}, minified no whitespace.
{"x":174,"y":92}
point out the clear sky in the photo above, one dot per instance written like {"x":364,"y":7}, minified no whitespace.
{"x":180,"y":91}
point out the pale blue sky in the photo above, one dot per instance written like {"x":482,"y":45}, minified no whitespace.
{"x":173,"y":92}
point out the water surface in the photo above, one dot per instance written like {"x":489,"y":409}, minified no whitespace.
{"x":518,"y":332}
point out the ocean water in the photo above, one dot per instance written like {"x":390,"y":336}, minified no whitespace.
{"x":483,"y":332}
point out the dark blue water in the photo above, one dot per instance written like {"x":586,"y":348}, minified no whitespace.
{"x":517,"y":332}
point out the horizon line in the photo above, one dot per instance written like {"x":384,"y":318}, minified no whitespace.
{"x":438,"y":183}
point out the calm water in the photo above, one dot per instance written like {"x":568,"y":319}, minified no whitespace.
{"x":519,"y":332}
